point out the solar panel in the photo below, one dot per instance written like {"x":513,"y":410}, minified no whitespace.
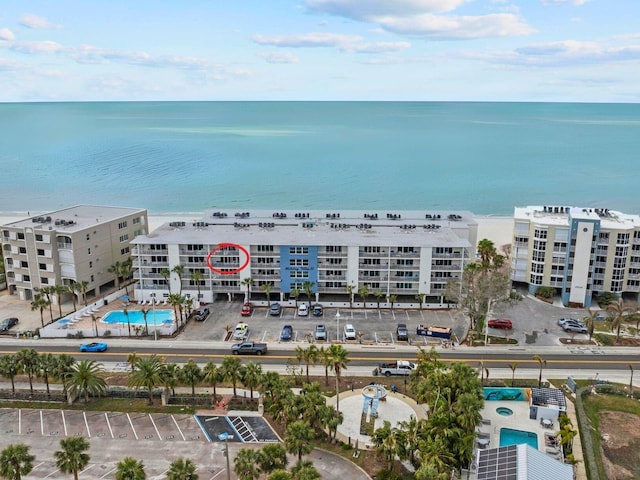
{"x":548,"y":396}
{"x":498,"y":463}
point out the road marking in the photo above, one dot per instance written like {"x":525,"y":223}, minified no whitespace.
{"x":108,"y":424}
{"x":86,"y":422}
{"x":88,"y":468}
{"x":52,"y":473}
{"x":178,"y":427}
{"x":64,"y":423}
{"x":110,"y":471}
{"x":131,"y":423}
{"x":36,"y":466}
{"x":20,"y":421}
{"x":221,"y":470}
{"x":41,"y":424}
{"x":155,"y":427}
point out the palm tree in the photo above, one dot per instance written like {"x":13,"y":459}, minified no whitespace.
{"x":28,"y":362}
{"x":247,"y":282}
{"x":250,"y":376}
{"x":127,"y":272}
{"x":116,"y":270}
{"x":48,"y":292}
{"x":541,"y":362}
{"x":197,"y":277}
{"x":272,"y":457}
{"x":363,"y":293}
{"x":298,"y":438}
{"x":179,"y":271}
{"x":165,"y":273}
{"x":378,"y":294}
{"x":212,"y":375}
{"x":246,"y":464}
{"x":420,"y":298}
{"x":85,"y":379}
{"x":393,"y":299}
{"x":304,"y":470}
{"x":231,"y":367}
{"x":182,"y":469}
{"x":350,"y":290}
{"x":309,"y":355}
{"x":169,"y":375}
{"x":15,"y":461}
{"x":280,"y":474}
{"x":295,"y":293}
{"x":487,"y":251}
{"x":40,"y":303}
{"x":9,"y":368}
{"x":72,"y":289}
{"x":513,"y":367}
{"x":72,"y":458}
{"x":324,"y":355}
{"x":266,"y":288}
{"x":590,"y":322}
{"x":307,"y":286}
{"x":130,"y":469}
{"x":126,"y":314}
{"x":46,"y":367}
{"x":62,"y":370}
{"x":619,"y":311}
{"x":339,"y":359}
{"x":145,"y":312}
{"x":385,"y":441}
{"x":83,"y":286}
{"x":191,"y":374}
{"x":148,"y":375}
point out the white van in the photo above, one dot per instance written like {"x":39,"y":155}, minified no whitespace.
{"x":303,"y":310}
{"x":349,"y":332}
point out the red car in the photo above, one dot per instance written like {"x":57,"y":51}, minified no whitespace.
{"x":501,"y":323}
{"x":247,"y":309}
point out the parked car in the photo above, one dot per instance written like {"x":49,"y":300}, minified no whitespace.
{"x":321,"y":332}
{"x":562,"y":321}
{"x":275,"y":309}
{"x":572,"y":327}
{"x":241,"y":331}
{"x":247,"y":309}
{"x":7,"y":323}
{"x":402,"y":333}
{"x":317,"y":310}
{"x":501,"y":323}
{"x":303,"y":310}
{"x":349,"y":332}
{"x":93,"y":347}
{"x":201,"y":314}
{"x":287,"y":333}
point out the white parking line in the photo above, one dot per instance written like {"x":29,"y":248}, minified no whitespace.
{"x":110,"y":471}
{"x":88,"y":468}
{"x":154,"y":426}
{"x":86,"y":422}
{"x":52,"y":473}
{"x":161,"y":476}
{"x":20,"y":421}
{"x":221,"y":470}
{"x":64,"y":423}
{"x":41,"y":424}
{"x":131,"y":423}
{"x":178,"y":427}
{"x":108,"y":424}
{"x":36,"y":466}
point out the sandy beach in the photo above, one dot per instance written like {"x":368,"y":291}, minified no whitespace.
{"x":498,"y":229}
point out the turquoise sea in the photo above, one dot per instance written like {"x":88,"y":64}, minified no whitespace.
{"x":191,"y":156}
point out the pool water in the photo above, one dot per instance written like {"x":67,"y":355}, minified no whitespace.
{"x":502,"y":394}
{"x":135,"y":317}
{"x":504,"y":411}
{"x":509,"y":436}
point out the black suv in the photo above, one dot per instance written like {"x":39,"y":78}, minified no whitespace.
{"x":7,"y":323}
{"x":401,"y":332}
{"x":201,"y":314}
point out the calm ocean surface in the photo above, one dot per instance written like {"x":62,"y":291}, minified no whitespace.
{"x":191,"y":156}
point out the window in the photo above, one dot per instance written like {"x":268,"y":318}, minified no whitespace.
{"x":334,"y":248}
{"x":265,"y":248}
{"x":20,"y":236}
{"x":371,"y":273}
{"x":195,"y":259}
{"x":371,"y":261}
{"x":265,"y":260}
{"x":90,"y":264}
{"x":195,"y":247}
{"x":405,"y":250}
{"x":41,"y":252}
{"x":371,"y":249}
{"x":26,"y":278}
{"x":335,"y":284}
{"x":334,"y":261}
{"x":124,"y":238}
{"x":372,"y":284}
{"x":91,"y":277}
{"x":623,"y":238}
{"x":158,"y":259}
{"x":405,"y":285}
{"x":88,"y":236}
{"x":298,"y":250}
{"x":403,"y":261}
{"x":44,"y":280}
{"x":537,"y":256}
{"x":124,"y":251}
{"x":159,"y":246}
{"x":38,"y":237}
{"x":229,"y":283}
{"x":538,"y":245}
{"x":540,"y":233}
{"x":24,"y":264}
{"x":136,"y":220}
{"x":42,"y":266}
{"x":298,"y":262}
{"x":122,"y":225}
{"x":22,"y":250}
{"x":333,"y":273}
{"x":89,"y":250}
{"x":444,"y":250}
{"x":299,"y":274}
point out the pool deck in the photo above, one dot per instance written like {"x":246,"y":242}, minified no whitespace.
{"x":493,"y":422}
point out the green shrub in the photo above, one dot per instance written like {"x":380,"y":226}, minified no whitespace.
{"x":606,"y":298}
{"x":546,"y":292}
{"x":606,"y":340}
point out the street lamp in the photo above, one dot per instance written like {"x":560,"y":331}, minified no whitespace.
{"x":338,"y":325}
{"x":224,"y":437}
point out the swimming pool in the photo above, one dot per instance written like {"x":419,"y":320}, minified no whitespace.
{"x":509,"y":436}
{"x":135,"y":317}
{"x":503,"y":393}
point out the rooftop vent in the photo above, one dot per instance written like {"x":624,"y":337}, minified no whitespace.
{"x":242,"y":214}
{"x":266,"y":225}
{"x":279,"y":215}
{"x":177,"y":224}
{"x":241,"y":225}
{"x":371,"y":216}
{"x":219,"y":214}
{"x":302,"y":215}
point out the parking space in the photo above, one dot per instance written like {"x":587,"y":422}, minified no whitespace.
{"x":245,"y":428}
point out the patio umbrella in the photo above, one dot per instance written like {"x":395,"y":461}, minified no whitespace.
{"x":125,"y":298}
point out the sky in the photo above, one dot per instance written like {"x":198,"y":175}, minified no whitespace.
{"x":384,"y":50}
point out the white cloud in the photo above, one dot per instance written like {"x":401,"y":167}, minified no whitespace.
{"x":279,"y":57}
{"x":44,"y":46}
{"x":11,"y":66}
{"x":313,"y":39}
{"x":366,"y":9}
{"x":6,"y":35}
{"x":462,"y":27}
{"x":377,"y":47}
{"x":30,"y":20}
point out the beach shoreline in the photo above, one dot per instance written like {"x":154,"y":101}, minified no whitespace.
{"x":498,"y":228}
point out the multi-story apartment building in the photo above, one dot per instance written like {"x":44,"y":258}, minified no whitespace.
{"x":400,"y":253}
{"x":578,"y":251}
{"x":75,"y":244}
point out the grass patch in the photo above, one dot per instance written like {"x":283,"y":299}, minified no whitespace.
{"x":366,"y":428}
{"x":139,"y":405}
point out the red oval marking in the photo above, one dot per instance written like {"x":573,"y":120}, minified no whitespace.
{"x":228,"y":245}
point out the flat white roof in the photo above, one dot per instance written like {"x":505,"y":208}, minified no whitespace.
{"x":559,"y":216}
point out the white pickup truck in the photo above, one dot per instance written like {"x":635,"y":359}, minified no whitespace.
{"x":401,"y":367}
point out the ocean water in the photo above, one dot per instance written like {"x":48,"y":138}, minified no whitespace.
{"x":191,"y":156}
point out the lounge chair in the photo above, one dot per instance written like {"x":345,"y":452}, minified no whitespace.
{"x":486,"y":421}
{"x":482,"y":434}
{"x":140,"y":302}
{"x":166,"y":301}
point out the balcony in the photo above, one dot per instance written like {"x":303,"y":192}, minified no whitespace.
{"x":372,"y":254}
{"x":202,"y":251}
{"x":405,"y":254}
{"x":65,"y":246}
{"x":446,"y":255}
{"x":331,"y":277}
{"x":455,"y":267}
{"x":147,"y":251}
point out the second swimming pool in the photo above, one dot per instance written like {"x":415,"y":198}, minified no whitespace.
{"x":135,"y":317}
{"x":510,"y":436}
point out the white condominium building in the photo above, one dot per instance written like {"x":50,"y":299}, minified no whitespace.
{"x":394,"y":254}
{"x":578,"y":251}
{"x":72,"y":245}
